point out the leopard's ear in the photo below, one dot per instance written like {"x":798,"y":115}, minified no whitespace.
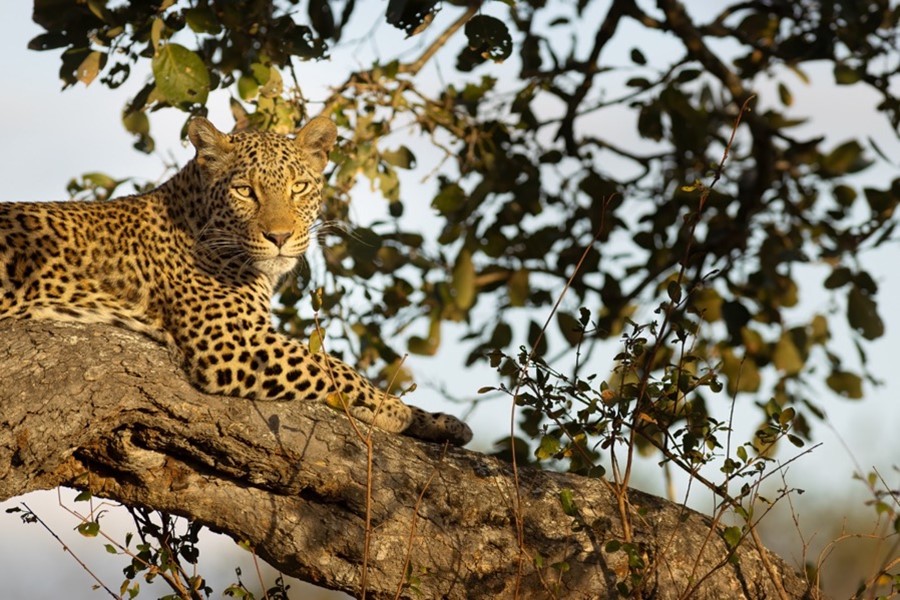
{"x":316,"y":138}
{"x":213,"y":146}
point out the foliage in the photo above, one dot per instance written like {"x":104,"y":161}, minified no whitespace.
{"x":166,"y":548}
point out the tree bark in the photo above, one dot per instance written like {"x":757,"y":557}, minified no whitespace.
{"x":291,"y":479}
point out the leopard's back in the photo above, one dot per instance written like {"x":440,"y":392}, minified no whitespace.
{"x":82,"y":261}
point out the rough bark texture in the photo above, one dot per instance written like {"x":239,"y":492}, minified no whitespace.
{"x":291,"y":479}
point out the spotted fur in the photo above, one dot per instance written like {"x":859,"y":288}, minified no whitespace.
{"x":194,"y":263}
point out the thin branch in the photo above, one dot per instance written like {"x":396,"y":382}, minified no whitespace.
{"x":415,"y":518}
{"x":605,"y":33}
{"x":69,"y":550}
{"x":414,"y":67}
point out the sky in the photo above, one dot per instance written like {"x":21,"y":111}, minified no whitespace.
{"x":49,"y":136}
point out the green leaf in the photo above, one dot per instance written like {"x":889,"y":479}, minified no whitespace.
{"x":839,"y":277}
{"x":641,"y":83}
{"x":845,"y":195}
{"x":708,"y":304}
{"x":429,"y":346}
{"x":637,"y":57}
{"x":137,"y":123}
{"x":273,"y":85}
{"x":412,"y":17}
{"x":846,"y":158}
{"x":818,"y":330}
{"x":862,"y":314}
{"x":518,"y":287}
{"x":247,"y":87}
{"x":90,"y":67}
{"x":156,"y":31}
{"x":100,"y":180}
{"x":84,"y":495}
{"x":501,"y":336}
{"x":111,"y":549}
{"x":784,"y":94}
{"x":743,"y":375}
{"x":202,"y":20}
{"x":300,"y":40}
{"x":536,"y":340}
{"x":795,"y":440}
{"x":845,"y":74}
{"x":450,"y":199}
{"x":570,"y":328}
{"x":732,"y":536}
{"x":181,"y":76}
{"x":321,"y":17}
{"x":848,"y":385}
{"x":687,"y":75}
{"x":421,"y":346}
{"x":464,"y":280}
{"x":548,"y":448}
{"x":673,"y":289}
{"x":567,"y":500}
{"x":364,"y":245}
{"x":786,"y":416}
{"x":882,"y":202}
{"x":489,"y":37}
{"x":865,"y":283}
{"x":561,"y":566}
{"x":89,"y":529}
{"x":402,"y":157}
{"x":48,"y":41}
{"x":316,"y":341}
{"x":389,"y":184}
{"x":650,"y":122}
{"x":786,"y":356}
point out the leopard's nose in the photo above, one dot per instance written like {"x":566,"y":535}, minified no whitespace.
{"x":277,"y":237}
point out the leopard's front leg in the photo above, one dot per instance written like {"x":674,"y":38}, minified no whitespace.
{"x":270,"y":366}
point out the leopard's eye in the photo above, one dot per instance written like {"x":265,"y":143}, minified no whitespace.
{"x":243,"y":191}
{"x":299,"y":188}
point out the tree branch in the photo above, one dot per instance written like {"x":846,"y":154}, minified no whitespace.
{"x":764,"y":152}
{"x":605,"y":32}
{"x":413,"y":68}
{"x":290,"y":479}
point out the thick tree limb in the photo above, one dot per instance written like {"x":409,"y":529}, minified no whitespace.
{"x":290,"y":478}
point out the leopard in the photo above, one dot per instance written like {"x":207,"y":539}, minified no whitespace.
{"x":194,"y":264}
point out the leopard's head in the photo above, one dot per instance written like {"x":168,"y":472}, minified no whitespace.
{"x":262,"y":192}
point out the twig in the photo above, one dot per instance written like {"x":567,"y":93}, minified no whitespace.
{"x":69,"y":550}
{"x":415,"y":516}
{"x":414,"y":67}
{"x":520,"y":533}
{"x":262,"y":584}
{"x":367,"y":440}
{"x":408,"y":68}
